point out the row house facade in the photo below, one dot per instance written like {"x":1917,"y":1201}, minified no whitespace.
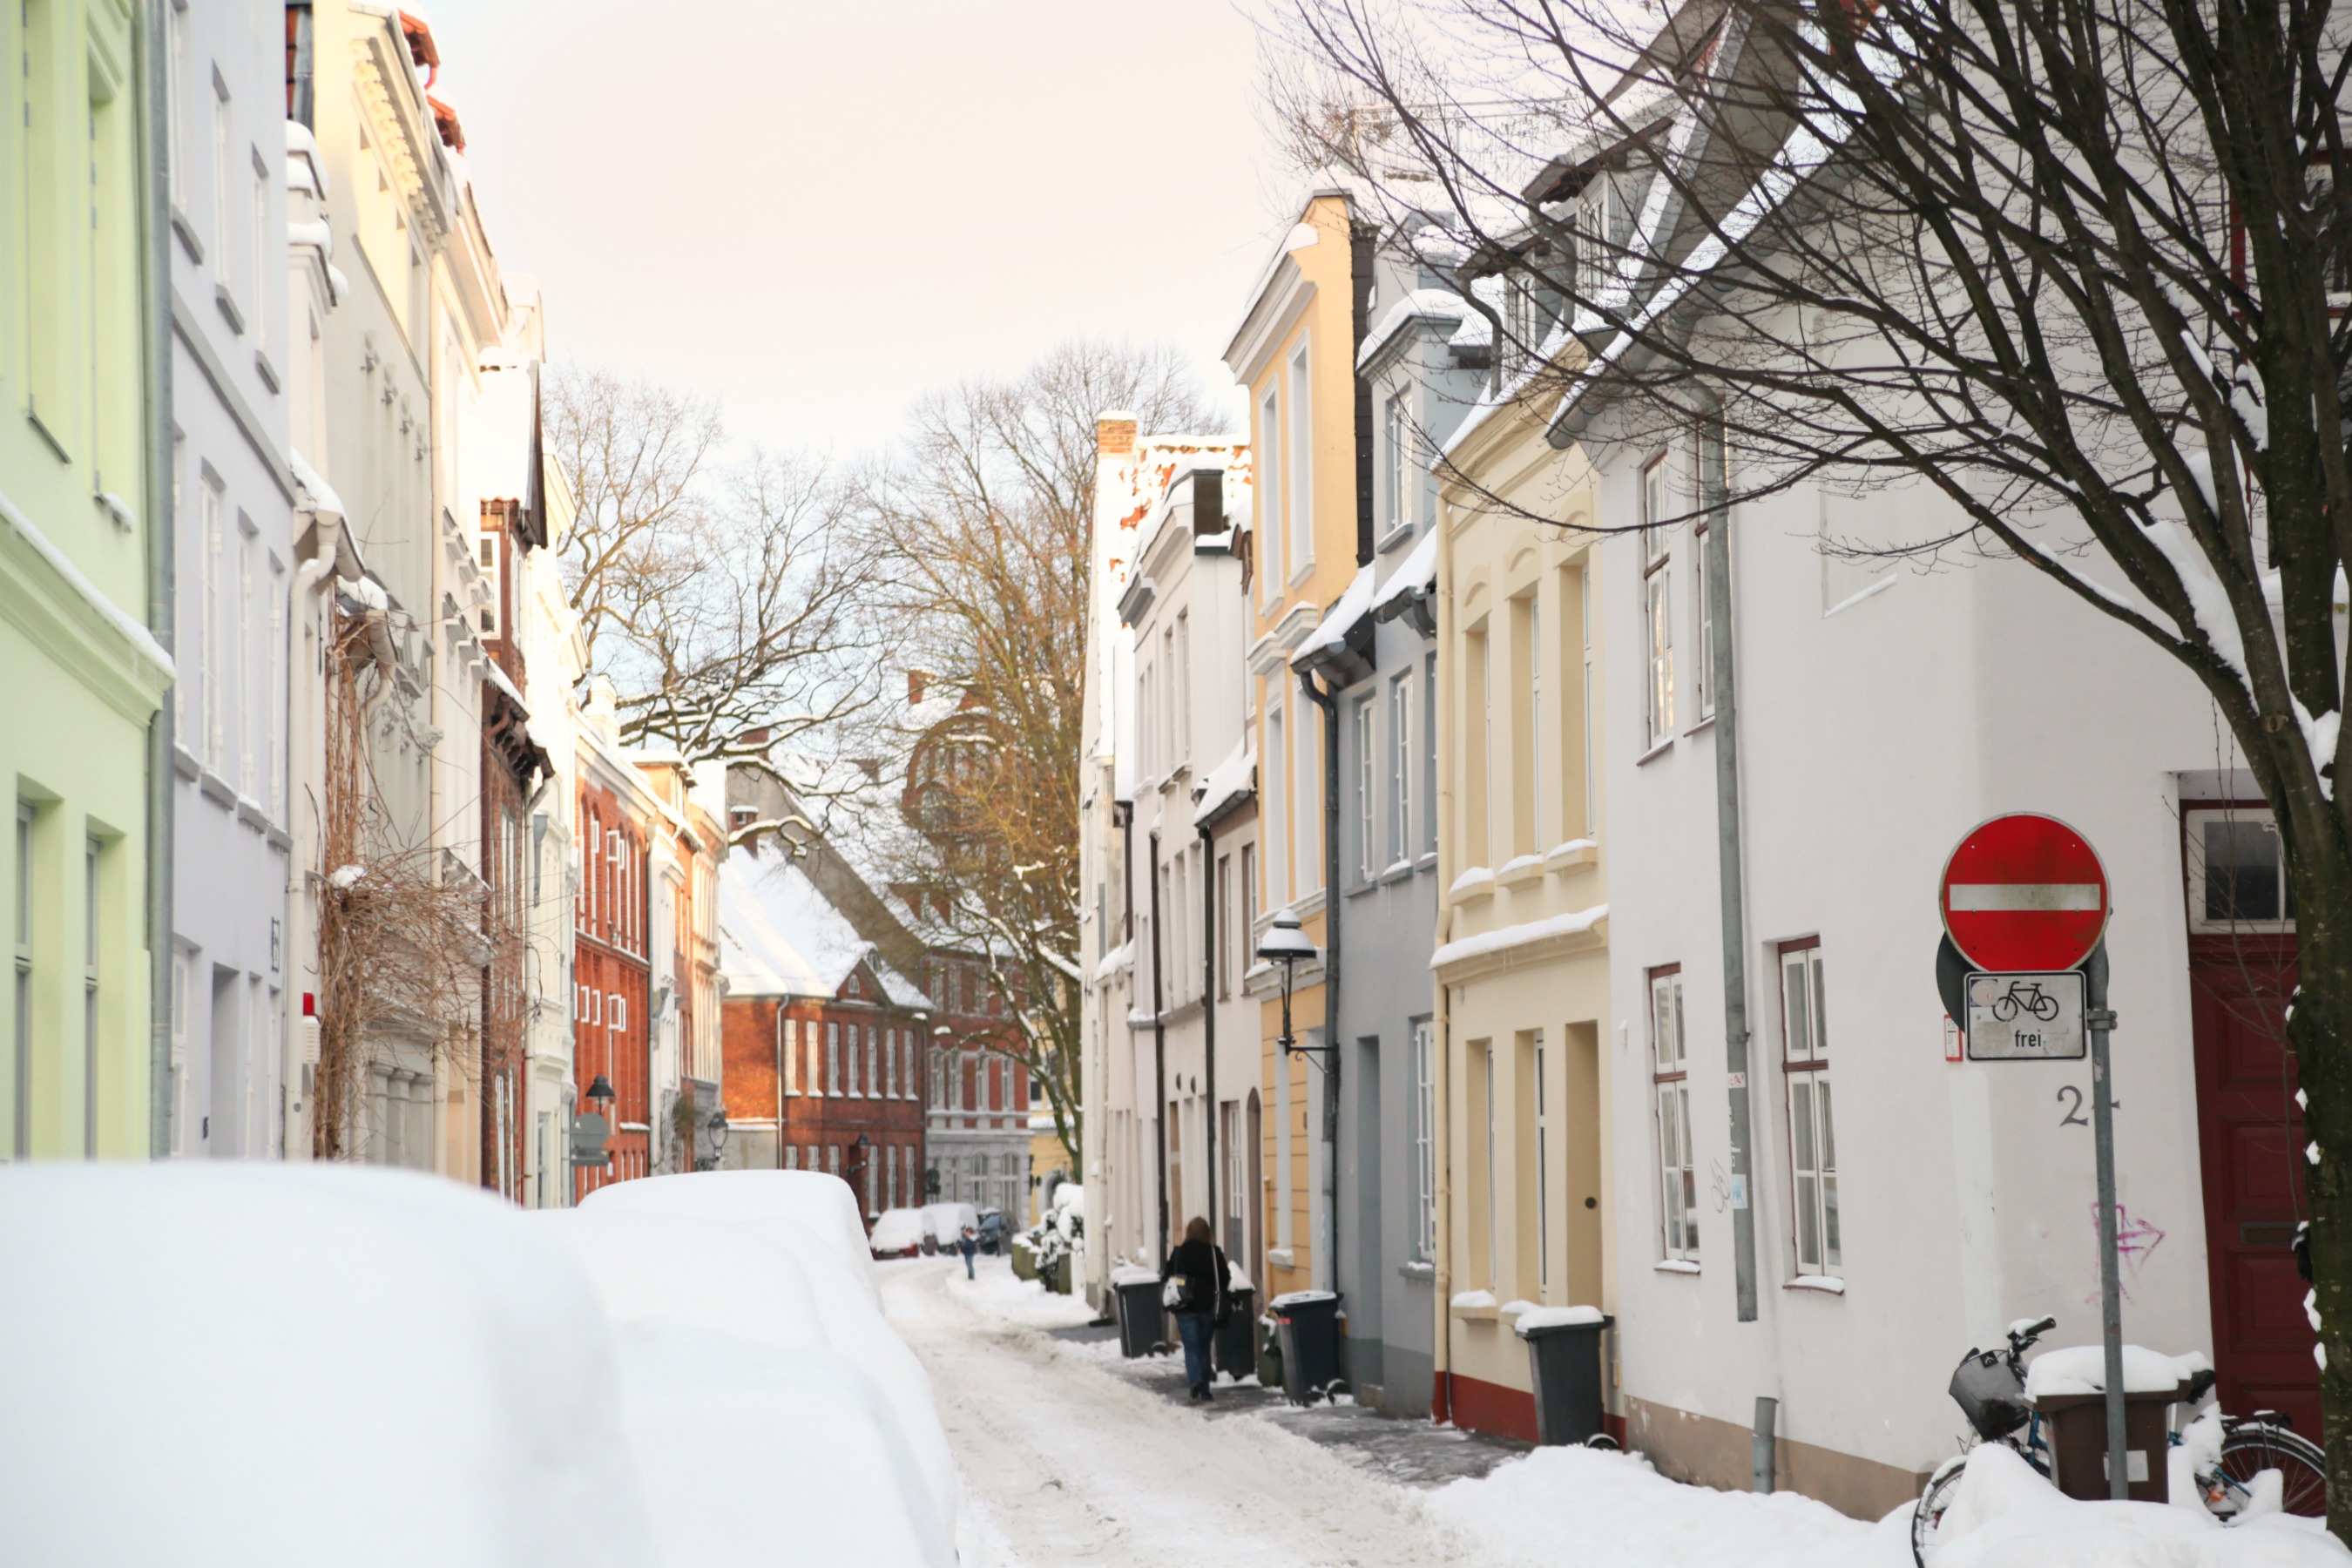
{"x":825,"y":1043}
{"x":613,"y":938}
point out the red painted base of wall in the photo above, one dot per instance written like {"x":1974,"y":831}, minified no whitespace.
{"x":1476,"y":1406}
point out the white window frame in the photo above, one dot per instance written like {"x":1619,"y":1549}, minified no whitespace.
{"x":1278,"y":804}
{"x":1678,"y":1235}
{"x":833,"y":1059}
{"x":1270,"y":528}
{"x":1816,"y":1238}
{"x":1366,"y":710}
{"x":1396,"y":431}
{"x":1657,"y":606}
{"x":1302,"y":462}
{"x":2196,"y":818}
{"x":1424,"y":1142}
{"x":1402,"y":767}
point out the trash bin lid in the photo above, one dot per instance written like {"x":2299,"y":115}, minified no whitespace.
{"x":1301,"y":1298}
{"x":1536,"y":1320}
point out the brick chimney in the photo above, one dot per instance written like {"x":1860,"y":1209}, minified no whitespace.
{"x":917,"y":680}
{"x":1115,"y":433}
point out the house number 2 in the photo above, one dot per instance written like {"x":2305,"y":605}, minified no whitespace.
{"x":2071,"y":1097}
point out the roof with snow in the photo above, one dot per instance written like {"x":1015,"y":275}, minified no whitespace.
{"x":779,"y":936}
{"x":1331,"y":633}
{"x":1227,"y":782}
{"x":1415,"y":575}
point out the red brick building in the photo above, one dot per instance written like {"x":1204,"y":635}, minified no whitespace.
{"x":823,"y":1041}
{"x":611,"y":968}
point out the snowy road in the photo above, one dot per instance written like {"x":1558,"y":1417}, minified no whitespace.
{"x":1068,"y":1463}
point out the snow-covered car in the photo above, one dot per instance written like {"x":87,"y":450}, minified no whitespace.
{"x":897,"y":1234}
{"x":943,"y":1223}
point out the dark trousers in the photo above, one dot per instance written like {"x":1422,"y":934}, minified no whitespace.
{"x":1195,"y":1329}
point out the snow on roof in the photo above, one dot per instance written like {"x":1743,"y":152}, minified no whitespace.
{"x":1353,"y":602}
{"x":1504,"y":938}
{"x":1420,"y":305}
{"x":323,"y":499}
{"x":1417,"y":574}
{"x":780,"y":936}
{"x":1228,"y":780}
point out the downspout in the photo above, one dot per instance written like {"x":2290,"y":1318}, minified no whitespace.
{"x":1209,"y":1010}
{"x":1330,"y":706}
{"x":1727,"y":815}
{"x":780,"y":1085}
{"x":1159,"y":1049}
{"x":302,"y":923}
{"x":1442,"y":1201}
{"x":161,"y":583}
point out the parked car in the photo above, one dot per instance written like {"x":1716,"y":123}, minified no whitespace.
{"x":993,"y":1228}
{"x":897,"y":1234}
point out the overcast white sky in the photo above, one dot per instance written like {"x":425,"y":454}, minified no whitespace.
{"x":815,"y":211}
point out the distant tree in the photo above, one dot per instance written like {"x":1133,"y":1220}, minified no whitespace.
{"x":722,"y":595}
{"x":981,"y":523}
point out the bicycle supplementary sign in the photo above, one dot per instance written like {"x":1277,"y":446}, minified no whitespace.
{"x":2026,"y":1017}
{"x":2024,"y":894}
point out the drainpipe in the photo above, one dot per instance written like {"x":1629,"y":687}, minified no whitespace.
{"x":161,"y":585}
{"x":1158,"y":1047}
{"x":1727,"y":816}
{"x":780,"y":1085}
{"x":1441,"y":1074}
{"x":1209,"y":1007}
{"x":1328,"y":703}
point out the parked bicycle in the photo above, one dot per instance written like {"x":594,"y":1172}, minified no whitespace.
{"x":1989,"y":1389}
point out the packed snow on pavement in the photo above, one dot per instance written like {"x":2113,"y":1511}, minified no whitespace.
{"x":1065,"y":1460}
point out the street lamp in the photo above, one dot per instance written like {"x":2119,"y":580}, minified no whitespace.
{"x":865,"y":1186}
{"x":601,"y":1092}
{"x":1286,"y":944}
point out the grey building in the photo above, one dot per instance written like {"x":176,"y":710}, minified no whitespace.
{"x":1420,"y":367}
{"x":227,"y":1092}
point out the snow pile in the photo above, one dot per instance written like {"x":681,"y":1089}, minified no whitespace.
{"x":2083,"y":1369}
{"x":1134,"y":1274}
{"x":2004,"y":1513}
{"x":1618,"y":1512}
{"x":1473,"y":1300}
{"x":1025,"y":1301}
{"x":717,"y":1349}
{"x":895,"y":1232}
{"x":266,"y":1364}
{"x":1533,"y":1317}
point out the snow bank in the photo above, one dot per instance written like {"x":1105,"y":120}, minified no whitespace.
{"x":2004,"y":1513}
{"x":895,"y":1231}
{"x":1555,"y":1318}
{"x":262,"y":1364}
{"x":2083,"y":1369}
{"x":1612,"y":1510}
{"x":689,"y":1272}
{"x":822,"y":1205}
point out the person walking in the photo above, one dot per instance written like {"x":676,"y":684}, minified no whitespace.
{"x":967,"y":1244}
{"x":1192,"y":1286}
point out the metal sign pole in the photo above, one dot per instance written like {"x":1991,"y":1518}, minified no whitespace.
{"x":2099,"y":1021}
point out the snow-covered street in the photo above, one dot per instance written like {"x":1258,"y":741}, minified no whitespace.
{"x":1064,"y":1461}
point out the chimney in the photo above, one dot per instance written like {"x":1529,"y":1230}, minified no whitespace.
{"x":1115,"y":433}
{"x":917,"y":680}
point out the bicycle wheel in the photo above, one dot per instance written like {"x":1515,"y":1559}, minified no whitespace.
{"x":2255,"y":1447}
{"x":1928,"y":1514}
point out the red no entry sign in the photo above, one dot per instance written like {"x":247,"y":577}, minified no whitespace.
{"x":2024,"y":893}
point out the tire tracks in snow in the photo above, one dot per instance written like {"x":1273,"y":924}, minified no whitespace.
{"x":1065,"y":1462}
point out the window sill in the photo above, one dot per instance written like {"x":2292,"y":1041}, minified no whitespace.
{"x":1357,"y":890}
{"x":1660,"y":749}
{"x":1475,"y":1314}
{"x":1568,"y":857}
{"x":1280,"y":1256}
{"x":1674,"y":1266}
{"x":1701,"y":728}
{"x":1401,"y":534}
{"x":1425,"y":1271}
{"x":1427,"y":862}
{"x":186,"y":231}
{"x":1825,"y":1284}
{"x":226,"y":303}
{"x":1396,"y":873}
{"x":1518,"y":870}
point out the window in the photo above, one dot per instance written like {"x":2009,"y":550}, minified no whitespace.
{"x":260,"y":252}
{"x":620,"y":1011}
{"x":1596,"y":261}
{"x":2236,"y":871}
{"x":1429,"y":755}
{"x":855,"y":1092}
{"x":833,"y":1159}
{"x":873,"y":1065}
{"x":1184,"y":664}
{"x":1395,"y":434}
{"x":1478,"y":833}
{"x":1711,"y":485}
{"x":20,"y":1084}
{"x":214,"y":671}
{"x":1584,"y":617}
{"x":276,"y":695}
{"x":1670,"y":1070}
{"x":1526,"y":746}
{"x":832,"y":1060}
{"x":248,"y":665}
{"x":1268,"y":451}
{"x":1245,"y":929}
{"x":1275,"y":807}
{"x":907,"y":1066}
{"x":175,"y":20}
{"x":890,"y":1063}
{"x":1402,"y":767}
{"x":1224,"y":917}
{"x":1302,"y":467}
{"x":1424,"y":1144}
{"x":1307,"y":807}
{"x":1367,"y":837}
{"x":1812,"y":1163}
{"x":788,"y":1032}
{"x":90,"y":1036}
{"x":223,"y":271}
{"x":1657,"y":593}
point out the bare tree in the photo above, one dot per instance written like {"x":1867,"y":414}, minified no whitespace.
{"x":721,"y":596}
{"x":2080,"y":267}
{"x":984,"y":520}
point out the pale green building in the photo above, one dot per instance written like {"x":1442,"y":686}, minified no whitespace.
{"x":84,"y":620}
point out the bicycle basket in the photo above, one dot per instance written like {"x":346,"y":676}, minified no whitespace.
{"x":1989,"y":1395}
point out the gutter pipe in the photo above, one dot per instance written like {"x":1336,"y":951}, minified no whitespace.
{"x":162,"y":578}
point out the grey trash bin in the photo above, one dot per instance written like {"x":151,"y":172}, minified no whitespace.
{"x":1564,"y":1359}
{"x":1140,"y":1328}
{"x":1307,"y":1322}
{"x":1235,"y":1350}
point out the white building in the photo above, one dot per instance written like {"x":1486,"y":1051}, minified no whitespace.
{"x":228,"y":1093}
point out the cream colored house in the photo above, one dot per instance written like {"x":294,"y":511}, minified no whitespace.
{"x":1522,"y":962}
{"x":1296,"y":354}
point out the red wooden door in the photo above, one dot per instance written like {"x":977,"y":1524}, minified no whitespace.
{"x":2251,"y":1136}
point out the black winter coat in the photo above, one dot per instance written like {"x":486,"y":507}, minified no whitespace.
{"x":1203,"y":1264}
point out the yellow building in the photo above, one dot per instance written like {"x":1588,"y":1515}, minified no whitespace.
{"x":1296,"y":354}
{"x":85,"y":677}
{"x":1522,"y":962}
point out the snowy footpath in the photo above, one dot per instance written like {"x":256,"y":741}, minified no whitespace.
{"x":1067,"y":1461}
